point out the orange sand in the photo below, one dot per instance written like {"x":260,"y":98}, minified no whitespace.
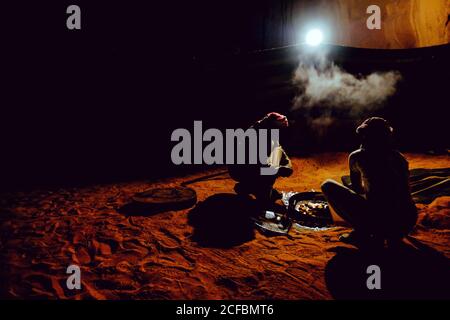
{"x":138,"y":257}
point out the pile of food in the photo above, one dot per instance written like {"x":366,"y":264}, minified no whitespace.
{"x":312,"y":213}
{"x":305,"y":209}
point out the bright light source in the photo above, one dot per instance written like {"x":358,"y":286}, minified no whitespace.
{"x":314,"y":37}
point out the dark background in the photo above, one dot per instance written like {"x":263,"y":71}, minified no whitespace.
{"x":99,"y":104}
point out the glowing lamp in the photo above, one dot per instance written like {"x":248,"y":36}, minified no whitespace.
{"x":314,"y":37}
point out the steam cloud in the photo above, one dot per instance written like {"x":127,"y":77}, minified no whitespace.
{"x":322,"y":83}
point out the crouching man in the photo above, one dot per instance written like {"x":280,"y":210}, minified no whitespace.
{"x":377,"y":203}
{"x":250,"y":180}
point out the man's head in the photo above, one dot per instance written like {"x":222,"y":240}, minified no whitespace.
{"x":275,"y":120}
{"x":375,"y":131}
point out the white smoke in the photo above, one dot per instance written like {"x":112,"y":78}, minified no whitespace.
{"x":322,"y":83}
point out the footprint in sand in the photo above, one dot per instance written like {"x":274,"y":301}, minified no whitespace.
{"x":101,"y":248}
{"x":43,"y":285}
{"x":228,"y":283}
{"x":174,"y":260}
{"x":287,"y":257}
{"x":81,"y":256}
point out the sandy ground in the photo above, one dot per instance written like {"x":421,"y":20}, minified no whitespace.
{"x":155,"y":257}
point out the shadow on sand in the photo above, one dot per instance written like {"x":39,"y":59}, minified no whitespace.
{"x":223,"y":220}
{"x":411,"y":271}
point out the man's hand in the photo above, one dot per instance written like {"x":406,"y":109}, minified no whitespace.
{"x":285,"y":171}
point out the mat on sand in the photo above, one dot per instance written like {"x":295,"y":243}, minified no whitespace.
{"x":426,"y":184}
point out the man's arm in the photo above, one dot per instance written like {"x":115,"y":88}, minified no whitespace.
{"x":355,"y":174}
{"x":285,"y":169}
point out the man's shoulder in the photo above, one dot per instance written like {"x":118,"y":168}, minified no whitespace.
{"x":355,"y":157}
{"x":356,"y":154}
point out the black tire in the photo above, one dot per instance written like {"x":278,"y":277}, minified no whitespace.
{"x":165,"y":199}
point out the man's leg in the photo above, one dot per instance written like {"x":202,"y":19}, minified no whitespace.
{"x":264,"y":191}
{"x":349,"y":205}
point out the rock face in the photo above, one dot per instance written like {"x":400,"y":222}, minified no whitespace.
{"x":405,"y":23}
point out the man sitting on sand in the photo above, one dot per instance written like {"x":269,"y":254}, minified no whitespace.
{"x":249,"y":178}
{"x":378,"y":203}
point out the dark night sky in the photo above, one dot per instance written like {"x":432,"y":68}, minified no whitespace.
{"x":100,"y":103}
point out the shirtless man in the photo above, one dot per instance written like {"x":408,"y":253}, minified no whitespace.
{"x":378,"y":203}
